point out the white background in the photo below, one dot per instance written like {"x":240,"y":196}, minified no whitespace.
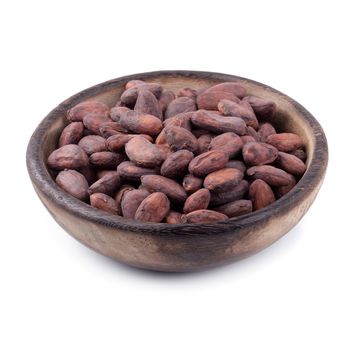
{"x":57,"y":294}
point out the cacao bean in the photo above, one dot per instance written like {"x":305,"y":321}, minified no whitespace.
{"x":131,"y":201}
{"x":129,"y":171}
{"x":218,"y":124}
{"x":176,"y":165}
{"x":68,"y":157}
{"x":173,"y":217}
{"x":285,"y":142}
{"x":260,"y":194}
{"x":291,"y":164}
{"x":223,"y":180}
{"x":143,"y":153}
{"x":229,"y":143}
{"x":209,"y":98}
{"x":203,"y":216}
{"x":197,"y":200}
{"x":179,"y":138}
{"x":74,"y":183}
{"x":192,"y":183}
{"x":108,"y":184}
{"x":207,"y":162}
{"x":87,"y":109}
{"x":157,"y":183}
{"x":92,"y":144}
{"x":141,"y":123}
{"x":103,"y":202}
{"x":270,"y":174}
{"x":180,"y":105}
{"x":236,"y":208}
{"x":71,"y":134}
{"x":153,"y":208}
{"x":259,"y":153}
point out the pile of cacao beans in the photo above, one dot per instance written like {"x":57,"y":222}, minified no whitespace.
{"x":195,"y":156}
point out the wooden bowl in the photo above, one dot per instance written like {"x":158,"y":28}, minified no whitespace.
{"x":184,"y":247}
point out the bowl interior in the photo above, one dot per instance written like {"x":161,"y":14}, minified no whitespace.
{"x":286,"y":119}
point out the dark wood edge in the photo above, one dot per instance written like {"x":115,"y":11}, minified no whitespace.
{"x":44,"y":183}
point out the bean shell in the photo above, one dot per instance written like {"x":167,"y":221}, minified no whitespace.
{"x":153,"y":208}
{"x":87,"y":108}
{"x":176,"y":165}
{"x":203,"y":216}
{"x":223,"y":180}
{"x":198,"y":200}
{"x":103,"y":202}
{"x":157,"y":183}
{"x":71,"y":134}
{"x":74,"y":183}
{"x":68,"y":157}
{"x":260,"y":194}
{"x":207,"y":162}
{"x":236,"y":208}
{"x":143,"y":153}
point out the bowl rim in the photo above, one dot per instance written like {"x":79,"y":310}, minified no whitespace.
{"x":44,"y":183}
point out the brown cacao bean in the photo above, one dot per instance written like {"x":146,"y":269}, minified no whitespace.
{"x":108,"y":129}
{"x":236,"y":208}
{"x":285,"y":142}
{"x":235,"y":193}
{"x":260,"y":194}
{"x":74,"y":183}
{"x":106,"y":160}
{"x":131,"y":201}
{"x":259,"y":153}
{"x":239,"y":109}
{"x":291,"y":164}
{"x":173,"y":217}
{"x":88,"y":109}
{"x":165,"y":98}
{"x":261,"y":106}
{"x":129,"y":171}
{"x":203,"y":216}
{"x":176,"y":165}
{"x":180,"y":105}
{"x":218,"y":124}
{"x":209,"y":98}
{"x":222,"y":180}
{"x":68,"y":157}
{"x":192,"y":183}
{"x":92,"y":144}
{"x":103,"y":202}
{"x":117,"y":112}
{"x":229,"y":143}
{"x":108,"y":184}
{"x":119,"y":197}
{"x":143,"y":153}
{"x":179,"y":138}
{"x":270,"y":174}
{"x":157,"y":183}
{"x":117,"y":142}
{"x":153,"y":208}
{"x":197,"y":200}
{"x":71,"y":134}
{"x":140,"y":123}
{"x":147,"y":103}
{"x":265,"y":130}
{"x":207,"y":162}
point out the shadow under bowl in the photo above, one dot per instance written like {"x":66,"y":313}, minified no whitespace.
{"x":184,"y":247}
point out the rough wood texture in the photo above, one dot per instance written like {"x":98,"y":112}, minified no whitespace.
{"x":182,"y":247}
